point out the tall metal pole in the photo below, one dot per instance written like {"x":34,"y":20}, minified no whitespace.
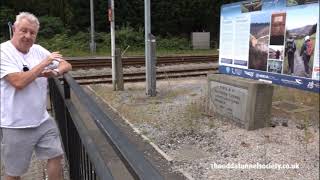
{"x":113,"y":43}
{"x":10,"y":29}
{"x":150,"y":78}
{"x":92,"y":43}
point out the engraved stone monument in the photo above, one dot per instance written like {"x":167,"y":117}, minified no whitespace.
{"x":246,"y":102}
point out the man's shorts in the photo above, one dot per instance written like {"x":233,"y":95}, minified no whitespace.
{"x":17,"y":146}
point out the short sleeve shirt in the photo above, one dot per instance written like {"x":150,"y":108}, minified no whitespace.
{"x":25,"y":107}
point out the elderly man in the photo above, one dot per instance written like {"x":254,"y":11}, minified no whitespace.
{"x":25,"y":123}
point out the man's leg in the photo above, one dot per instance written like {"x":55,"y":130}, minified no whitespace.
{"x":291,"y":62}
{"x":12,"y":178}
{"x":16,"y":151}
{"x":54,"y":168}
{"x":49,"y":148}
{"x":306,"y":64}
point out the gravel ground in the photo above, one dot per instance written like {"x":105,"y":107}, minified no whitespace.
{"x":177,"y":120}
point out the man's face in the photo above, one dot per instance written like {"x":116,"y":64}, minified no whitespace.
{"x":24,"y":35}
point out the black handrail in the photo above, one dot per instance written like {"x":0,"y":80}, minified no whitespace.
{"x":76,"y":151}
{"x":136,"y":163}
{"x":70,"y":121}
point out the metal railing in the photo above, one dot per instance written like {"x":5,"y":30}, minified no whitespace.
{"x":84,"y":158}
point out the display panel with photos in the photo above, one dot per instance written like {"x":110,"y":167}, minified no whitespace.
{"x":276,"y":41}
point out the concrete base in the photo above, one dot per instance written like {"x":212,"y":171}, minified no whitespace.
{"x":247,"y":102}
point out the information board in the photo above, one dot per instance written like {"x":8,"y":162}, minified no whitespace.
{"x":276,"y":41}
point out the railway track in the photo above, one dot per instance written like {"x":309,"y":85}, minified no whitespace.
{"x":140,"y":76}
{"x":101,"y":62}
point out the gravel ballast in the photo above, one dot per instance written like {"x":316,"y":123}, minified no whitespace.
{"x":177,"y":121}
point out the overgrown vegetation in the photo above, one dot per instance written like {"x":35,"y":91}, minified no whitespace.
{"x":78,"y":44}
{"x":169,"y":18}
{"x":65,"y":25}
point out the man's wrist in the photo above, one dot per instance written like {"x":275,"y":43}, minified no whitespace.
{"x":57,"y":71}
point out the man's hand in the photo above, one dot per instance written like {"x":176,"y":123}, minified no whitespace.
{"x":53,"y":56}
{"x":49,"y":73}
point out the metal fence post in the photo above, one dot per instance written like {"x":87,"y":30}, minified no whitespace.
{"x":119,"y":71}
{"x":151,"y":68}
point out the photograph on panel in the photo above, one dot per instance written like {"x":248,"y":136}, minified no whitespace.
{"x":278,"y":21}
{"x":300,"y":2}
{"x":275,"y":66}
{"x":276,"y":52}
{"x":250,"y":6}
{"x":300,"y":40}
{"x":259,"y":40}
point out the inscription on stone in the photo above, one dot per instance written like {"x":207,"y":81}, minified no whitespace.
{"x":229,"y":101}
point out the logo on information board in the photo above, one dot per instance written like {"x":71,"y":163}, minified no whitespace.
{"x":299,"y":81}
{"x":232,"y":71}
{"x":310,"y":85}
{"x":295,"y":82}
{"x":238,"y":71}
{"x":228,"y":69}
{"x":251,"y":74}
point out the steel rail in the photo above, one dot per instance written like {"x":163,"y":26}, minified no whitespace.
{"x":98,"y":62}
{"x":140,"y":76}
{"x":143,"y":73}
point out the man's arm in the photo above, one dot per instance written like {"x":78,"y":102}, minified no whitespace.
{"x":63,"y":67}
{"x":19,"y":80}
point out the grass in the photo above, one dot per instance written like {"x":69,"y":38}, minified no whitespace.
{"x":310,"y":117}
{"x":127,"y":39}
{"x":106,"y":52}
{"x":296,"y":95}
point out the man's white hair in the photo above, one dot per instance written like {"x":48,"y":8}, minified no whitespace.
{"x":28,"y":16}
{"x":307,"y":38}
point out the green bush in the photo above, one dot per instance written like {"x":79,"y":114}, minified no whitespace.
{"x":49,"y":26}
{"x":173,"y":43}
{"x":77,"y":44}
{"x":6,"y":15}
{"x":127,"y":36}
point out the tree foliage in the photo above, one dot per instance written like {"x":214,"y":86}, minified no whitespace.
{"x":169,"y":18}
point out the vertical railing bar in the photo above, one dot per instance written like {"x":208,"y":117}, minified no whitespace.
{"x":81,"y":161}
{"x":87,"y":166}
{"x":78,"y":154}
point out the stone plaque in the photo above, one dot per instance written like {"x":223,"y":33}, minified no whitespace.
{"x":229,"y":101}
{"x":246,"y":102}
